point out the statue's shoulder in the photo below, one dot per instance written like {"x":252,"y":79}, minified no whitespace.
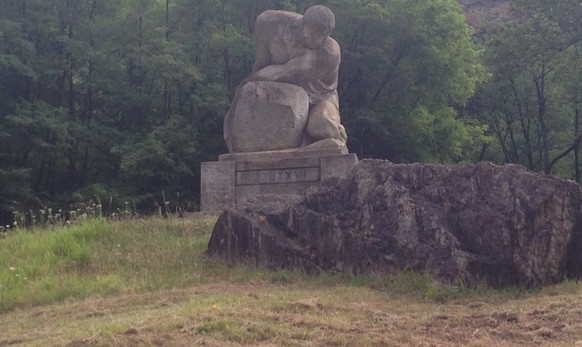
{"x":331,"y":44}
{"x":274,"y":17}
{"x":330,"y":47}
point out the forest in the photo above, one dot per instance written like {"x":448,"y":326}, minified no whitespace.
{"x":117,"y":102}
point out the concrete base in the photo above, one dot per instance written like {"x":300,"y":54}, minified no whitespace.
{"x":238,"y":177}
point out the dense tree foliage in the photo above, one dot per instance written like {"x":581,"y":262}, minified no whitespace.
{"x":120,"y":100}
{"x":408,"y":68}
{"x":533,"y":101}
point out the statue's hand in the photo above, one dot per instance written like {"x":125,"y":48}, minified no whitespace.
{"x":264,"y":74}
{"x":251,"y":78}
{"x":245,"y":81}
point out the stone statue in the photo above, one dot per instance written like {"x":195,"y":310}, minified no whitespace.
{"x":291,"y":51}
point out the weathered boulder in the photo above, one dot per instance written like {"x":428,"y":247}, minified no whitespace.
{"x":499,"y":224}
{"x":269,"y":116}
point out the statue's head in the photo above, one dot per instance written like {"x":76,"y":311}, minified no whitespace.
{"x":320,"y":18}
{"x":318,"y":23}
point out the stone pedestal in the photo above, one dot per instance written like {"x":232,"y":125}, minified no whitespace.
{"x":237,"y":177}
{"x":217,"y":185}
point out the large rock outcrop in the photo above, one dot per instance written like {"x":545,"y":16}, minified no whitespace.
{"x":498,"y":224}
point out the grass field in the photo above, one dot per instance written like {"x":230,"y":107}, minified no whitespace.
{"x":146,"y":282}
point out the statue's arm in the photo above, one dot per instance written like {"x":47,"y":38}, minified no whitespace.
{"x":311,"y":65}
{"x":294,"y":70}
{"x":262,"y":56}
{"x":263,"y":32}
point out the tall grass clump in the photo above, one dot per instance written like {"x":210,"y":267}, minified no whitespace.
{"x":100,"y":257}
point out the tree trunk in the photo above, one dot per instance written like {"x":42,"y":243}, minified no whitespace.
{"x":167,"y":20}
{"x":41,"y":171}
{"x":541,"y":98}
{"x":524,"y":121}
{"x":501,"y":137}
{"x":226,"y":57}
{"x":384,"y":83}
{"x":577,"y":170}
{"x":167,"y":100}
{"x":73,"y":142}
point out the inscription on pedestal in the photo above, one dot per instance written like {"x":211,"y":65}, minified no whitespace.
{"x":244,"y":193}
{"x":228,"y":183}
{"x":277,"y":176}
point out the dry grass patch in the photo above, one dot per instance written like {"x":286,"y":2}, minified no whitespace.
{"x":260,"y":313}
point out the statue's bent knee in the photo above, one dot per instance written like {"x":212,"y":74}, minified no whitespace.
{"x":324,"y":123}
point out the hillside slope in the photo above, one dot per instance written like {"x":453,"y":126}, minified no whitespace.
{"x":480,"y":12}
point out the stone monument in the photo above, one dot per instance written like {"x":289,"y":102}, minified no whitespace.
{"x":283,"y":129}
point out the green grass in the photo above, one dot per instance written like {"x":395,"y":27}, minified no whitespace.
{"x":100,"y":258}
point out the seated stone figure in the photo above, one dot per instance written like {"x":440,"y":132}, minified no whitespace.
{"x":297,"y":50}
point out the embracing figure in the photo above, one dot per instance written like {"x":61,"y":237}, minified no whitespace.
{"x":298,"y":50}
